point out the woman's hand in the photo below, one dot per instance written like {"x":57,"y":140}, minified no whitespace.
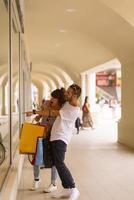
{"x":37,"y":118}
{"x":29,"y":113}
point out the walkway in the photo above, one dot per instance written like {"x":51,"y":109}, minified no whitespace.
{"x":103,"y":169}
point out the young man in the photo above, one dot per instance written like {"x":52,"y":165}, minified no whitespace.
{"x":61,"y":134}
{"x":60,"y":137}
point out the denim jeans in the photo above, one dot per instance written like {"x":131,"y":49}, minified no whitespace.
{"x":54,"y":173}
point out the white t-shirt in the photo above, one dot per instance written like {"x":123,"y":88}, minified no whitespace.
{"x":64,"y":124}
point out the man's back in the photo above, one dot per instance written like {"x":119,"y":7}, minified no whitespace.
{"x":65,"y":123}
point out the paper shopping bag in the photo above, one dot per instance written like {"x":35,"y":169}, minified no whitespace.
{"x":29,"y":134}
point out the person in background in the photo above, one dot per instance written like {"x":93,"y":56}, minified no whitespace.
{"x":113,"y":105}
{"x":78,"y":124}
{"x":86,"y":115}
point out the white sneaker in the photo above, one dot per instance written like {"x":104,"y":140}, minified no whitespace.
{"x":65,"y":193}
{"x":51,"y":188}
{"x":35,"y":185}
{"x":74,"y":194}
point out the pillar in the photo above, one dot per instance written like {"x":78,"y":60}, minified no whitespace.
{"x":91,"y":89}
{"x":83,"y":87}
{"x":126,"y":124}
{"x":2,"y":94}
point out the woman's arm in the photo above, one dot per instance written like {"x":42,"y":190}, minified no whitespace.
{"x":45,"y":112}
{"x":48,"y":112}
{"x":87,"y":106}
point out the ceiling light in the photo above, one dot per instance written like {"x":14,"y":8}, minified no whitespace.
{"x":62,"y":31}
{"x":70,"y":10}
{"x":58,"y":45}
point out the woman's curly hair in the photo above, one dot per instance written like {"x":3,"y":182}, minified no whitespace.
{"x":60,"y":95}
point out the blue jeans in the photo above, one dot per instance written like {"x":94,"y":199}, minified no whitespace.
{"x":54,"y":173}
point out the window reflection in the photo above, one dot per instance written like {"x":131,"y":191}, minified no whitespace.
{"x":15,"y":87}
{"x":4,"y":98}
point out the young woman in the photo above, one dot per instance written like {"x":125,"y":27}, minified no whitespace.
{"x":86,"y":116}
{"x":56,"y":102}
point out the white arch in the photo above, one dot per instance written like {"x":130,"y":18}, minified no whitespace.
{"x":51,"y":68}
{"x":59,"y":82}
{"x":46,"y":79}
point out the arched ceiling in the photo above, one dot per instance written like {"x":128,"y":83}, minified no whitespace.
{"x":43,"y":78}
{"x":52,"y":69}
{"x":75,"y":35}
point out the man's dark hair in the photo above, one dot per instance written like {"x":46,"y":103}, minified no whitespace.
{"x":76,"y":89}
{"x":59,"y":94}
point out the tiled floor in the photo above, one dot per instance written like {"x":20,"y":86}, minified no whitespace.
{"x":103,"y":169}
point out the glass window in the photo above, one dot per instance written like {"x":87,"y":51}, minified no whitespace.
{"x":4,"y":97}
{"x":35,"y":97}
{"x":15,"y":87}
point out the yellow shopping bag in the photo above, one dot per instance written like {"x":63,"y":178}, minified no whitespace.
{"x":29,"y":135}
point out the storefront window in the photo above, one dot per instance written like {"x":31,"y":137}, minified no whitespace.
{"x":25,"y":83}
{"x":15,"y":87}
{"x":4,"y":95}
{"x":35,"y":97}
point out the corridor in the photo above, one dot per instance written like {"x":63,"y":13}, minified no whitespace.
{"x":47,"y":45}
{"x":103,"y":173}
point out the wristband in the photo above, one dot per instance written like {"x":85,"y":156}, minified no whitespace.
{"x":34,"y":111}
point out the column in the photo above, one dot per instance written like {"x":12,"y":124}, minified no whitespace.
{"x":91,"y":89}
{"x":126,"y":124}
{"x":83,"y":87}
{"x":2,"y":92}
{"x":40,"y":92}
